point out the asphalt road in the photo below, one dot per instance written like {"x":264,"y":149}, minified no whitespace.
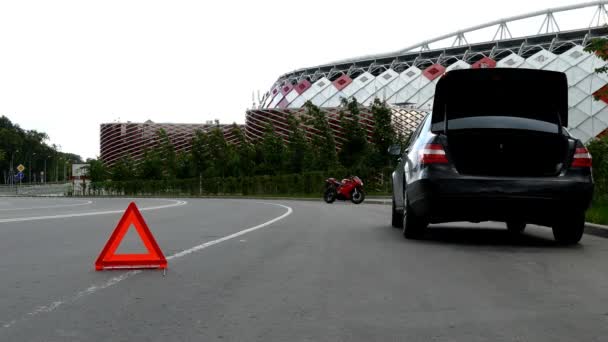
{"x":306,"y":271}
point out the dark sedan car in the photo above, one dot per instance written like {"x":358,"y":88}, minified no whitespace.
{"x":495,"y":148}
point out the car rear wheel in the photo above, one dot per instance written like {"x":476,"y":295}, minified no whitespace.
{"x":413,"y":225}
{"x":516,"y":226}
{"x":569,"y":230}
{"x":396,"y":217}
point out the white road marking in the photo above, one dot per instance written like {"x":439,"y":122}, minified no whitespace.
{"x":92,"y":213}
{"x":48,"y":207}
{"x":232,"y":236}
{"x":115,"y":280}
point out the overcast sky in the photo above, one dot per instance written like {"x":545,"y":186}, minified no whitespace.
{"x":67,"y":66}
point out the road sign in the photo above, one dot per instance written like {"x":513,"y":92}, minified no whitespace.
{"x":108,"y":259}
{"x":19,"y":176}
{"x":20,"y":168}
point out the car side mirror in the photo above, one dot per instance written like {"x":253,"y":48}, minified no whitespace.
{"x":394,"y":150}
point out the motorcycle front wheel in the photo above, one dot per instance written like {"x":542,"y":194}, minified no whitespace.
{"x":330,"y":195}
{"x":357,"y":196}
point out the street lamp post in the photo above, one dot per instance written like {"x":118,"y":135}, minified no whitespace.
{"x":44,"y":179}
{"x":12,"y":171}
{"x":65,"y":167}
{"x":29,"y":179}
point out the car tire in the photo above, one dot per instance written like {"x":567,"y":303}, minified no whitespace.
{"x":396,"y":217}
{"x":569,"y":230}
{"x":413,"y":225}
{"x":516,"y":226}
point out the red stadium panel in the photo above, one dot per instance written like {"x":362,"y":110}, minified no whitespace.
{"x":433,"y":71}
{"x":286,"y":88}
{"x":302,"y":86}
{"x":342,"y":82}
{"x":483,"y":63}
{"x":274,"y":93}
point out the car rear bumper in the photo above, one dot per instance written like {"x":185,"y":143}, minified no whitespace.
{"x":541,"y":201}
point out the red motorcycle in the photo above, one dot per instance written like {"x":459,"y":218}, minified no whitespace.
{"x":348,"y":189}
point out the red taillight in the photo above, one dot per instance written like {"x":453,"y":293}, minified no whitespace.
{"x":433,"y":154}
{"x":582,"y":158}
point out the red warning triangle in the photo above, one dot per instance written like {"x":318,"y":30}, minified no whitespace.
{"x":153,"y":259}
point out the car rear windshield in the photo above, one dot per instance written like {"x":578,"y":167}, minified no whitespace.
{"x":496,"y":122}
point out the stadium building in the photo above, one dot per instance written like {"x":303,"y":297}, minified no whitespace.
{"x":122,"y":139}
{"x":406,"y":79}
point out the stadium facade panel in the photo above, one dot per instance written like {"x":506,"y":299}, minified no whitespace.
{"x":122,"y":139}
{"x":404,"y":120}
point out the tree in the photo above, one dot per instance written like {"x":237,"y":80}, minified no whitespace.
{"x":599,"y":46}
{"x":403,"y":140}
{"x":184,"y":166}
{"x":383,"y":135}
{"x":354,"y":147}
{"x":199,"y":152}
{"x":324,"y":153}
{"x":599,"y":152}
{"x":20,"y":146}
{"x":243,"y":153}
{"x":151,"y":166}
{"x":167,"y":154}
{"x":299,"y":156}
{"x":124,"y":169}
{"x":217,"y":154}
{"x":273,"y":152}
{"x":97,"y":171}
{"x":598,"y":147}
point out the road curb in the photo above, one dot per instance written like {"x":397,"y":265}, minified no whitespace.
{"x":373,"y":200}
{"x":596,"y":229}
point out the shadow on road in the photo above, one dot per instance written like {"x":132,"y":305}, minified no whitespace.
{"x":486,"y":236}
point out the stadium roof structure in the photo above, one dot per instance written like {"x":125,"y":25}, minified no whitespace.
{"x":551,"y":39}
{"x":549,"y":35}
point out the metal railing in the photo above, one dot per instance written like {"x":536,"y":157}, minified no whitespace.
{"x":47,"y":189}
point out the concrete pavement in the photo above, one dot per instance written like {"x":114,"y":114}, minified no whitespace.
{"x":317,"y":272}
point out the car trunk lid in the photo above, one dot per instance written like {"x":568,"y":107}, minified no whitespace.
{"x":503,"y":122}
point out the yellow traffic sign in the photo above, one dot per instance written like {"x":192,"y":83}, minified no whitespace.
{"x":20,"y":168}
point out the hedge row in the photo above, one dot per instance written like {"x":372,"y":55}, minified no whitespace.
{"x":308,"y":183}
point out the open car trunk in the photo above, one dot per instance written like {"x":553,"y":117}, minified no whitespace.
{"x":503,"y":122}
{"x":509,"y":153}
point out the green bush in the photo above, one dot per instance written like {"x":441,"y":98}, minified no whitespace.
{"x":307,"y":183}
{"x":598,"y":213}
{"x":599,"y":152}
